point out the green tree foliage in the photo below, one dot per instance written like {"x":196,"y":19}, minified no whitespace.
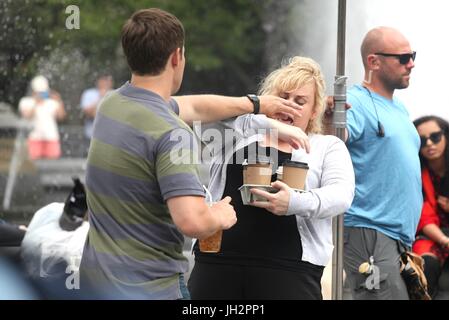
{"x":224,"y":44}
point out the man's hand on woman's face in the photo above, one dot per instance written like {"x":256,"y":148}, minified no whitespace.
{"x":278,"y":108}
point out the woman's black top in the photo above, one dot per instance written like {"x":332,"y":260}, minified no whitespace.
{"x":259,"y":238}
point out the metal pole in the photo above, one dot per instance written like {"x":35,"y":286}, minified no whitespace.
{"x":14,"y":166}
{"x":339,"y":122}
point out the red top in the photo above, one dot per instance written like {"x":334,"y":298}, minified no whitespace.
{"x":429,"y":214}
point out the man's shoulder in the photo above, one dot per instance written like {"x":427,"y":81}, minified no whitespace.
{"x":358,"y":98}
{"x":150,"y":117}
{"x":356,"y":94}
{"x":154,"y":105}
{"x":89,"y":96}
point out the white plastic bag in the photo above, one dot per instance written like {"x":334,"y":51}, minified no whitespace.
{"x":46,"y":245}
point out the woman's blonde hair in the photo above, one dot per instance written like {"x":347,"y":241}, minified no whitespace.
{"x":297,"y":72}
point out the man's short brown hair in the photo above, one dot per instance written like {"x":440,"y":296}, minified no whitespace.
{"x":148,"y":39}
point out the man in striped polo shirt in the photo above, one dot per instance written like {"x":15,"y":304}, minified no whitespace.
{"x":140,"y":201}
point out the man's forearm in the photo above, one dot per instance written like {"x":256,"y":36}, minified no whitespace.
{"x":211,"y":108}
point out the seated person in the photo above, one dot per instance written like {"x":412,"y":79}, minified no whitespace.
{"x":432,"y":238}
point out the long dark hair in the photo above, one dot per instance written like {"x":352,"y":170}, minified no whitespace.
{"x":444,"y":125}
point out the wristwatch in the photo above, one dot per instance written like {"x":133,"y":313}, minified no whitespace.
{"x":256,"y":102}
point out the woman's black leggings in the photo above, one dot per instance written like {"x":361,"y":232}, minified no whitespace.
{"x":237,"y":282}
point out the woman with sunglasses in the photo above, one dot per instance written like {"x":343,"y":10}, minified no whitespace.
{"x":432,"y":241}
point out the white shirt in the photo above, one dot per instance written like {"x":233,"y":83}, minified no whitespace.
{"x":329,"y":192}
{"x":329,"y":187}
{"x":44,"y":118}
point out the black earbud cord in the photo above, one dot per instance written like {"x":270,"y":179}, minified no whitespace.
{"x":380,"y":127}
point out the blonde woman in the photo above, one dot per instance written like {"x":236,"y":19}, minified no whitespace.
{"x":278,"y":249}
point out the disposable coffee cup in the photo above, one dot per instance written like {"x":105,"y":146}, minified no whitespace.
{"x":211,"y":244}
{"x":257,"y":173}
{"x":279,"y":173}
{"x":294,"y":174}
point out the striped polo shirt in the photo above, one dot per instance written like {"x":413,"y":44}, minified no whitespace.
{"x":141,"y":154}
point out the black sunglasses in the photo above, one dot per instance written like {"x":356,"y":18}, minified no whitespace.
{"x":403,"y":58}
{"x":435,"y":137}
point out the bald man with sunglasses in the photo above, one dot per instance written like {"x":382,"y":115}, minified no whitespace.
{"x":384,"y":147}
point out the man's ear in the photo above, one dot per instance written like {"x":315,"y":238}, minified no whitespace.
{"x":176,"y":57}
{"x":373,"y":62}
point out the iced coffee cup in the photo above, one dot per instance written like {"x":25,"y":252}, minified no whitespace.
{"x":294,"y":174}
{"x":211,"y":244}
{"x":257,"y":173}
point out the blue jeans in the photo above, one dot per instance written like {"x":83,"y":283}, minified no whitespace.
{"x":182,"y":285}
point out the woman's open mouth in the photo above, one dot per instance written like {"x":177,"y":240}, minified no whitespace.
{"x":287,"y":120}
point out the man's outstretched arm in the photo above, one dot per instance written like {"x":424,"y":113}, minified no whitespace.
{"x":212,"y":108}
